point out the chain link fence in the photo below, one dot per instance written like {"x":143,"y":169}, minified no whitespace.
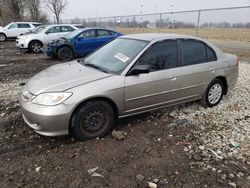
{"x":187,"y":22}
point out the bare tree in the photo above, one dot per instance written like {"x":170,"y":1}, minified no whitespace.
{"x":57,"y":7}
{"x":34,"y":10}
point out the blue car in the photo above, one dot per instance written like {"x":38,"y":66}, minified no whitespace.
{"x":80,"y":43}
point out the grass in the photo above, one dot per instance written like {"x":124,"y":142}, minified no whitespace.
{"x":242,"y":35}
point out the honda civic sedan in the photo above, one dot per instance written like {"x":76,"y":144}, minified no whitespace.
{"x":130,"y":75}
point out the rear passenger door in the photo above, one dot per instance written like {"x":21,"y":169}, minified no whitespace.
{"x":197,"y":67}
{"x":23,"y":28}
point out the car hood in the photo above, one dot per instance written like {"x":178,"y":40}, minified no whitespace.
{"x":62,"y":77}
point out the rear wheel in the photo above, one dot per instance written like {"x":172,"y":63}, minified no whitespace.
{"x":93,"y":119}
{"x":213,"y":94}
{"x":35,"y":46}
{"x":2,"y":37}
{"x":65,"y":54}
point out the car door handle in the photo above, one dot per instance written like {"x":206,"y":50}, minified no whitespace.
{"x":173,"y":78}
{"x":212,"y":69}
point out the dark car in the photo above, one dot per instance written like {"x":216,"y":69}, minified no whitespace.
{"x":80,"y":43}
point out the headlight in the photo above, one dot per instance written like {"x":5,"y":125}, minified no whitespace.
{"x":51,"y":99}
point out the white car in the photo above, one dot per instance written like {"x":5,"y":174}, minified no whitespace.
{"x":43,"y":35}
{"x":14,"y":29}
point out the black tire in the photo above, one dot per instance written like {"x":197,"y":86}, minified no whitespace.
{"x":35,"y":46}
{"x":218,"y":87}
{"x":65,"y":54}
{"x":93,"y":119}
{"x":2,"y":37}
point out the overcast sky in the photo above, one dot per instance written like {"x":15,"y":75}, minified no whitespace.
{"x":93,"y":8}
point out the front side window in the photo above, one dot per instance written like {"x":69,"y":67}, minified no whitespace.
{"x":12,"y":26}
{"x":161,"y":55}
{"x":103,"y":33}
{"x":67,"y":29}
{"x":87,"y":34}
{"x":23,"y":25}
{"x":54,"y":30}
{"x":193,"y":52}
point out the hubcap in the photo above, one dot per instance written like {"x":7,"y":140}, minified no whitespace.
{"x":94,"y":121}
{"x":36,"y":47}
{"x":215,"y":93}
{"x":65,"y":53}
{"x":2,"y":38}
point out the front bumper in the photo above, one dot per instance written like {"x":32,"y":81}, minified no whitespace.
{"x":21,"y":44}
{"x":47,"y":120}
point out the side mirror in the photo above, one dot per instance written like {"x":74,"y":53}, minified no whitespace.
{"x":139,"y":69}
{"x":46,"y":32}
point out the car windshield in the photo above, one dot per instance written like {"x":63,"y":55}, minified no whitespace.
{"x":40,"y":29}
{"x":73,"y":34}
{"x":116,"y":55}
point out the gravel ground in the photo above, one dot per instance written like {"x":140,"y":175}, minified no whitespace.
{"x":182,"y":146}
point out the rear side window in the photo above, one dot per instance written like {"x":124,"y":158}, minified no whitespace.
{"x":193,"y":52}
{"x":161,"y":55}
{"x":23,"y":25}
{"x":103,"y":33}
{"x":67,"y":29}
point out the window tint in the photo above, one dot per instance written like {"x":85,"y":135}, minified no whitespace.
{"x":103,"y":33}
{"x":87,"y":34}
{"x":23,"y":25}
{"x":211,"y":56}
{"x":162,"y":55}
{"x":54,"y":30}
{"x":12,"y":26}
{"x":193,"y":52}
{"x":67,"y":29}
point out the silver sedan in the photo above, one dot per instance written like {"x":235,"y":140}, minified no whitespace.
{"x":132,"y":74}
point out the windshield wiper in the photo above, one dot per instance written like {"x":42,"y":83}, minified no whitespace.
{"x":96,"y":67}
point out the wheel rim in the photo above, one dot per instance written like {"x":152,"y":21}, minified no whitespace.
{"x":36,"y":47}
{"x":94,"y":121}
{"x":65,"y":54}
{"x":2,"y":37}
{"x":214,"y":93}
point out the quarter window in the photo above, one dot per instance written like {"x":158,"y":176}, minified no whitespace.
{"x":193,"y":52}
{"x":161,"y":55}
{"x":211,"y":56}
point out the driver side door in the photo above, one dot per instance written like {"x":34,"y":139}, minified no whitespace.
{"x":85,"y":43}
{"x":158,"y":88}
{"x":52,"y":33}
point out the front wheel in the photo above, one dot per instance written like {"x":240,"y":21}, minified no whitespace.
{"x":35,"y":46}
{"x":2,"y":37}
{"x":65,"y":54}
{"x":93,"y":119}
{"x":213,"y":94}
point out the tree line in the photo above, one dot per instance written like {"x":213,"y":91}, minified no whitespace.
{"x":31,"y":10}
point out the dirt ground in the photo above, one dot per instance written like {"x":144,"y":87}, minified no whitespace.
{"x":153,"y":148}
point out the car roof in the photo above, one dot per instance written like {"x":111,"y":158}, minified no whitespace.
{"x":157,"y":36}
{"x":28,"y":22}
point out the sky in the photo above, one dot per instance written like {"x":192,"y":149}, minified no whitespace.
{"x":101,"y":8}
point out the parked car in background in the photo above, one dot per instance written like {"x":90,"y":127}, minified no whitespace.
{"x":80,"y":43}
{"x":130,"y":75}
{"x":43,"y":35}
{"x":14,"y":29}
